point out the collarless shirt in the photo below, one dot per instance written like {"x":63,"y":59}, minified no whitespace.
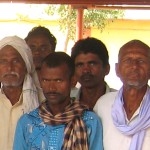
{"x":9,"y":116}
{"x":113,"y":139}
{"x":75,"y":92}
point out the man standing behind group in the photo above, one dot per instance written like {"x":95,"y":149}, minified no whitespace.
{"x":126,"y":114}
{"x":91,"y":60}
{"x":59,"y":123}
{"x":41,"y":42}
{"x":20,"y":90}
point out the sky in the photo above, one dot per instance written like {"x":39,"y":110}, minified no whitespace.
{"x":9,"y":11}
{"x":137,"y":14}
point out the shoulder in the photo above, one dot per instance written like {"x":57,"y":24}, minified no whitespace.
{"x":107,"y":98}
{"x":112,"y":90}
{"x":90,"y":117}
{"x":108,"y":89}
{"x":30,"y":117}
{"x":105,"y":101}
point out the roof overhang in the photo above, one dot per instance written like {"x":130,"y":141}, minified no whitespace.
{"x":95,"y":2}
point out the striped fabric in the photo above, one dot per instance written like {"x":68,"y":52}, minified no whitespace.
{"x":75,"y":134}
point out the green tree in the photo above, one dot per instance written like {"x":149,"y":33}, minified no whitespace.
{"x":92,"y":18}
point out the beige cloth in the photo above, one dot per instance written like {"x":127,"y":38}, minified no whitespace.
{"x":32,"y":93}
{"x":9,"y":116}
{"x":29,"y":99}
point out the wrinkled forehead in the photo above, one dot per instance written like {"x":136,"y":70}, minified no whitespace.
{"x":12,"y":51}
{"x":8,"y":48}
{"x":22,"y":48}
{"x":135,"y":49}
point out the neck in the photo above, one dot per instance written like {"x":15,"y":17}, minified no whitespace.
{"x":89,"y":96}
{"x":57,"y":108}
{"x":132,"y":99}
{"x":12,"y":93}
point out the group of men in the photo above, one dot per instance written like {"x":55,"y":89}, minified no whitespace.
{"x":39,"y":110}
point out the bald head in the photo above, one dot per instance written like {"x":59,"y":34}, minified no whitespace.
{"x":133,"y":67}
{"x":134,"y":46}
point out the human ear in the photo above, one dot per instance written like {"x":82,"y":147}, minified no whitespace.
{"x":107,"y":69}
{"x":117,"y":69}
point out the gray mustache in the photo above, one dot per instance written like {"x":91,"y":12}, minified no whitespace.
{"x":10,"y":73}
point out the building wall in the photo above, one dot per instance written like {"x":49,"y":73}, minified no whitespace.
{"x":118,"y":33}
{"x":114,"y":36}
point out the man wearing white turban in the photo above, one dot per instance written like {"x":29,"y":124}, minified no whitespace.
{"x":20,"y":92}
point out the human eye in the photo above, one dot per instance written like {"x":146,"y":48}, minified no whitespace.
{"x":44,"y":48}
{"x":44,"y":80}
{"x":59,"y":80}
{"x":78,"y":65}
{"x":127,"y":61}
{"x":33,"y":48}
{"x":140,"y":61}
{"x":16,"y":60}
{"x":93,"y":63}
{"x":2,"y":61}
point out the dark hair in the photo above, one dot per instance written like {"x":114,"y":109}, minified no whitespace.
{"x":56,"y":59}
{"x":91,"y":45}
{"x":42,"y":31}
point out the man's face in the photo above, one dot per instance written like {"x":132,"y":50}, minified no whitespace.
{"x":89,"y":70}
{"x":12,"y":67}
{"x":40,"y":47}
{"x":56,"y":84}
{"x":133,"y":67}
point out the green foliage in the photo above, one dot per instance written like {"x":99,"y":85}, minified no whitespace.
{"x":92,"y":18}
{"x":100,"y":18}
{"x":22,"y":16}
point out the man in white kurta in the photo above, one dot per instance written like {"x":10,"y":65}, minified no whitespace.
{"x":113,"y":139}
{"x":9,"y":116}
{"x":13,"y":53}
{"x":125,"y":114}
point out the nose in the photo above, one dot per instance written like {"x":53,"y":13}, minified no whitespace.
{"x":86,"y":68}
{"x":36,"y":50}
{"x":10,"y":66}
{"x":134,"y":64}
{"x":52,"y":86}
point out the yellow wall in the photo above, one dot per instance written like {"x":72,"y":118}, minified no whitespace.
{"x":118,"y":33}
{"x":114,"y":36}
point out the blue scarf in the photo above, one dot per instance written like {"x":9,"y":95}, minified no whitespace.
{"x":137,"y":129}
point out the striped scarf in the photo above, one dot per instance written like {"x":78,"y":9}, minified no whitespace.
{"x":75,"y":134}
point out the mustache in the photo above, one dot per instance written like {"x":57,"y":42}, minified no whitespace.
{"x":87,"y":75}
{"x":10,"y":73}
{"x":51,"y":93}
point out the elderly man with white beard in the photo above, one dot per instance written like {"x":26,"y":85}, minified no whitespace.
{"x":20,"y":92}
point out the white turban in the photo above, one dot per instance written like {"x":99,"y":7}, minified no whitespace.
{"x":32,"y":93}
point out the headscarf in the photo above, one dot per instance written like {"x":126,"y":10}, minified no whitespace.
{"x":32,"y":93}
{"x":137,"y":129}
{"x":75,"y":133}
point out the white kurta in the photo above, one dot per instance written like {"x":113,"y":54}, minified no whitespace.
{"x":113,"y":139}
{"x":9,"y":116}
